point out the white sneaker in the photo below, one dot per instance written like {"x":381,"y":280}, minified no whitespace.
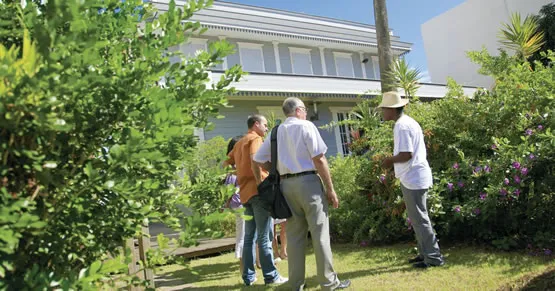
{"x":253,"y":281}
{"x":279,"y":280}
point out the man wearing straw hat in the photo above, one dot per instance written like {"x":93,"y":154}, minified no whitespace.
{"x":412,"y":169}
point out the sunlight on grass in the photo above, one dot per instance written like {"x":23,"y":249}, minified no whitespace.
{"x":371,"y":268}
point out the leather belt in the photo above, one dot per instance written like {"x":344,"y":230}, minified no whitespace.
{"x":287,"y":176}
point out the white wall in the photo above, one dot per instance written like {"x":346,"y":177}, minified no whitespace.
{"x":468,"y":27}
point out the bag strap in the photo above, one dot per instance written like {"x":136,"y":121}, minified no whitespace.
{"x":273,"y":140}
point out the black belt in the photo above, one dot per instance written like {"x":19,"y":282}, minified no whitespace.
{"x":286,"y":176}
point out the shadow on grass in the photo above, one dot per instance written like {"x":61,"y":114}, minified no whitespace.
{"x":188,"y":276}
{"x":374,"y":261}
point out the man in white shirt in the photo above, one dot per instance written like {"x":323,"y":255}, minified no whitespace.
{"x":412,"y":169}
{"x":302,"y":165}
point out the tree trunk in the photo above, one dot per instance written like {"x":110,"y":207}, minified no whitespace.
{"x":384,"y":46}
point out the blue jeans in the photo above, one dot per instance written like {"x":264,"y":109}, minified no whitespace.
{"x":260,"y":226}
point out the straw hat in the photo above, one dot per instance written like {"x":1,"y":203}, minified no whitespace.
{"x":392,"y":99}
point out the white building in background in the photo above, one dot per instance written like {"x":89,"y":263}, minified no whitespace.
{"x":326,"y":62}
{"x":469,"y":27}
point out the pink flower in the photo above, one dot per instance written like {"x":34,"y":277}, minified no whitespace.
{"x":506,"y":181}
{"x":493,"y":146}
{"x":516,"y":165}
{"x":517,"y":179}
{"x":460,"y":184}
{"x":457,"y":209}
{"x":450,"y":186}
{"x":517,"y":192}
{"x":483,"y":196}
{"x":540,"y":127}
{"x":531,"y":156}
{"x":524,"y":171}
{"x":382,"y":178}
{"x":503,"y":192}
{"x":487,"y":169}
{"x":456,"y":166}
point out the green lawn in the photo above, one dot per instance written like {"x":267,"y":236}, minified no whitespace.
{"x":381,"y":268}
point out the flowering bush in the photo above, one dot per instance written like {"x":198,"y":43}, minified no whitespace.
{"x":492,"y":158}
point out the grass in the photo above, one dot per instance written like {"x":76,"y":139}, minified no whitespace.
{"x":380,"y":268}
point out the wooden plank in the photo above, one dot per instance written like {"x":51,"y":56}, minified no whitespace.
{"x":144,"y":246}
{"x":206,"y":247}
{"x":133,"y":268}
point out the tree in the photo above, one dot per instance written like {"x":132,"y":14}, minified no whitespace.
{"x":405,"y":77}
{"x":384,"y":46}
{"x":91,"y":144}
{"x":546,"y":20}
{"x":523,"y":37}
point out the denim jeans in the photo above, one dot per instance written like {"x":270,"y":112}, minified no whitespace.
{"x":260,"y":226}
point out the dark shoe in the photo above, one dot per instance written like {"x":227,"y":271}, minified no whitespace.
{"x":416,"y":259}
{"x":422,"y":265}
{"x":343,"y":285}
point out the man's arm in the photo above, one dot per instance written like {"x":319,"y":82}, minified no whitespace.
{"x":399,"y":158}
{"x":255,"y":146}
{"x":321,"y":165}
{"x":266,"y":166}
{"x":256,"y":170}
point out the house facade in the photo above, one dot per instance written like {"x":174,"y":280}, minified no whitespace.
{"x":327,"y":63}
{"x":468,"y":27}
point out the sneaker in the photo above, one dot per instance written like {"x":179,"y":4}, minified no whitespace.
{"x":279,"y":280}
{"x":416,"y":259}
{"x":343,"y":285}
{"x":253,"y":281}
{"x":423,"y":265}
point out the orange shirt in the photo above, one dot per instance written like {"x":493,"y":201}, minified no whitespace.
{"x":240,"y":156}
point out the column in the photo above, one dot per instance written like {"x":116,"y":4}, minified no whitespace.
{"x":323,"y":61}
{"x":376,"y":65}
{"x":276,"y":55}
{"x":361,"y":54}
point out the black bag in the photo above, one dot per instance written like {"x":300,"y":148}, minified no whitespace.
{"x":269,"y":190}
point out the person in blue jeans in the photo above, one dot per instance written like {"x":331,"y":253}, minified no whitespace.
{"x":249,"y":176}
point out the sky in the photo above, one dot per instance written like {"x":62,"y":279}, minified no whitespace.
{"x":405,"y":17}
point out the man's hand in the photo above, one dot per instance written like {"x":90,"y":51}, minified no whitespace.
{"x":387,"y":163}
{"x":332,"y":198}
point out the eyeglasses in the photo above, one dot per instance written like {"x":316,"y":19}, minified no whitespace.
{"x":302,"y":108}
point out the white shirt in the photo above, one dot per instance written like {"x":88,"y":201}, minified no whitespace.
{"x":298,"y":141}
{"x":415,"y":174}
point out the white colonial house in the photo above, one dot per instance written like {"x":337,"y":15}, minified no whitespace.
{"x":326,"y":62}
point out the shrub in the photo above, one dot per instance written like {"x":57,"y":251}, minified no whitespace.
{"x":90,"y":143}
{"x":491,"y":156}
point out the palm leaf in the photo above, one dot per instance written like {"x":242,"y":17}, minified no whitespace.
{"x":522,"y":36}
{"x":405,"y":77}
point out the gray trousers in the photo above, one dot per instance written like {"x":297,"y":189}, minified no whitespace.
{"x":309,"y":205}
{"x":415,"y":200}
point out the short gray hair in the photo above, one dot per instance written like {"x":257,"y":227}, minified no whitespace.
{"x":290,"y":104}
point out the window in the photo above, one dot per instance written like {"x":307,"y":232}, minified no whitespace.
{"x":192,"y":46}
{"x":344,"y":64}
{"x":300,"y":61}
{"x":274,"y":114}
{"x":252,"y":57}
{"x":343,"y":133}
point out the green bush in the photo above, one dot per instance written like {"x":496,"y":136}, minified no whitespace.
{"x":492,"y":157}
{"x":91,"y":144}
